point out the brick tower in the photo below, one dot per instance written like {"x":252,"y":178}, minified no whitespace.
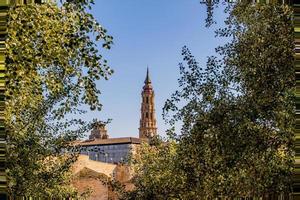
{"x":148,"y":120}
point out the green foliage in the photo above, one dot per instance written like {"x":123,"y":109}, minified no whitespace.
{"x":212,"y":5}
{"x":237,"y":114}
{"x":52,"y":64}
{"x":156,"y":175}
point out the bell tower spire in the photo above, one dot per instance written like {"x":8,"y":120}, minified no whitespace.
{"x":147,"y":80}
{"x":148,"y":119}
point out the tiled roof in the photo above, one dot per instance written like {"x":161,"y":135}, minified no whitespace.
{"x":124,"y":140}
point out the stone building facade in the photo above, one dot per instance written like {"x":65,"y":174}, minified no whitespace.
{"x":113,"y":150}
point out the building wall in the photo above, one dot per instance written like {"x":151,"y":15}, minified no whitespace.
{"x":94,"y":174}
{"x":83,"y":161}
{"x":113,"y":153}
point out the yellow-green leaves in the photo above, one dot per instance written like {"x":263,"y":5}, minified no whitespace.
{"x":52,"y":64}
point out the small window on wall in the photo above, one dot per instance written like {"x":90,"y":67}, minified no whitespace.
{"x":147,"y":115}
{"x":147,"y":100}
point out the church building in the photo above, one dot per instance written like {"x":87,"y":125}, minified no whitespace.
{"x":99,"y":147}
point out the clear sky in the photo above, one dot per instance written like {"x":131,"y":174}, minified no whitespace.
{"x":147,"y":32}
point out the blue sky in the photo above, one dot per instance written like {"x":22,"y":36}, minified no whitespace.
{"x":147,"y":32}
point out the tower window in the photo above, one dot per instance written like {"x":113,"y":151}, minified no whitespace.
{"x":147,"y":115}
{"x":147,"y":100}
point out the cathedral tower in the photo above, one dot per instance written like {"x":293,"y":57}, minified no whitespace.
{"x":148,"y":120}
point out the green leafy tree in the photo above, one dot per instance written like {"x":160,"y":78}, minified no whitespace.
{"x":156,"y":175}
{"x":237,"y":113}
{"x":52,"y":64}
{"x":238,"y":123}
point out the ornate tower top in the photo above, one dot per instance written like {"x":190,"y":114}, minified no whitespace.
{"x":148,"y":127}
{"x":99,"y":132}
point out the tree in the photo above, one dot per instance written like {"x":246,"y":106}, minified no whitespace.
{"x":156,"y":175}
{"x":52,"y":64}
{"x":238,"y":123}
{"x":238,"y":112}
